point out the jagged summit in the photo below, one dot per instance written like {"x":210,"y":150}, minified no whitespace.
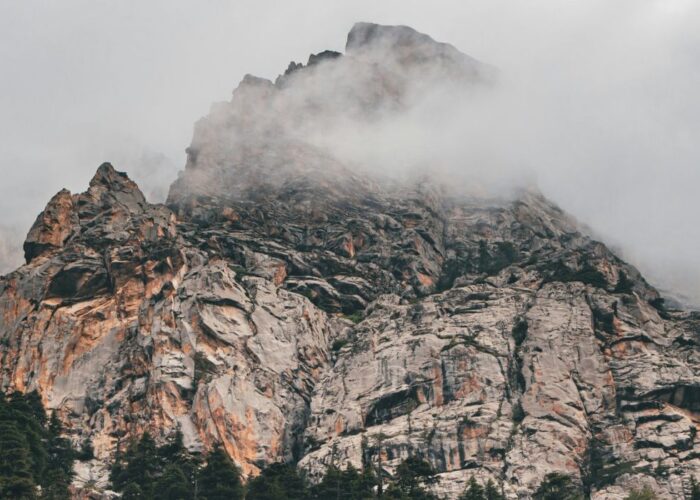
{"x":109,"y":178}
{"x":290,"y":308}
{"x":109,"y":187}
{"x":110,"y":200}
{"x":364,"y":35}
{"x":267,"y":140}
{"x":410,"y":48}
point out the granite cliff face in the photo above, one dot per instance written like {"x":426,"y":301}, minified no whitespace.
{"x":294,"y":308}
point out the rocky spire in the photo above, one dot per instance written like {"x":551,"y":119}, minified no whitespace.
{"x":52,"y":227}
{"x":109,"y":187}
{"x":413,"y":51}
{"x":109,"y":191}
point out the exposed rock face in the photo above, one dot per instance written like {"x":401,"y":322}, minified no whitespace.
{"x":292,"y":309}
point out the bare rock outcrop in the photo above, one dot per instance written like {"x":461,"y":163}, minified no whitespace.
{"x":292,"y":308}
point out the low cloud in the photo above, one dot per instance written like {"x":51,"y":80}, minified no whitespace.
{"x":10,"y":249}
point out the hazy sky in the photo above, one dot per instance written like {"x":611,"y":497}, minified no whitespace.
{"x":602,"y":99}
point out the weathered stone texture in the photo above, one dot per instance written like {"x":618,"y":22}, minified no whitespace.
{"x":291,"y":309}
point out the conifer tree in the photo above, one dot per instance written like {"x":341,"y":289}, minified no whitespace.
{"x":474,"y":491}
{"x":492,"y":493}
{"x":173,"y":484}
{"x":220,"y":478}
{"x":557,"y":486}
{"x":28,"y":414}
{"x":177,"y":456}
{"x":346,"y":484}
{"x":694,"y":489}
{"x":411,"y":475}
{"x":59,"y":469}
{"x":32,"y":452}
{"x":16,"y":479}
{"x":132,"y":491}
{"x":278,"y":482}
{"x":139,"y":466}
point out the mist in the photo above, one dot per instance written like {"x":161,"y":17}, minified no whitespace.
{"x":596,"y":102}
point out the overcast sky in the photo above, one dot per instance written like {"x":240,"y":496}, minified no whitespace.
{"x":603,"y":103}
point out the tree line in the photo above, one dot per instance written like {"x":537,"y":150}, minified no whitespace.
{"x":170,"y":472}
{"x":36,"y":462}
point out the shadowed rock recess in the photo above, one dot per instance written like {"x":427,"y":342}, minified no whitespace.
{"x":292,"y":308}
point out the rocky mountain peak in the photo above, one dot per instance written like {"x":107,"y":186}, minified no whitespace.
{"x":413,"y":51}
{"x":109,"y":187}
{"x":289,"y":307}
{"x":110,"y":198}
{"x":52,"y":227}
{"x":269,"y":139}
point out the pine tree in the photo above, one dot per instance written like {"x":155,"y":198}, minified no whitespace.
{"x":379,"y":443}
{"x":86,"y":451}
{"x":116,"y":471}
{"x":28,"y":414}
{"x":220,"y":478}
{"x":175,"y":453}
{"x":492,"y":493}
{"x":32,"y":452}
{"x":411,"y":475}
{"x":278,"y":482}
{"x":132,"y":491}
{"x":16,"y":479}
{"x":174,"y":449}
{"x":30,"y":404}
{"x":474,"y":491}
{"x":59,"y":469}
{"x":331,"y":485}
{"x":173,"y":484}
{"x":366,"y":483}
{"x":149,"y":472}
{"x":694,"y":489}
{"x":346,"y":484}
{"x":558,"y":486}
{"x":139,"y":466}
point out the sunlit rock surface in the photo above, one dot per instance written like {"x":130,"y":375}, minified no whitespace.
{"x":294,"y":309}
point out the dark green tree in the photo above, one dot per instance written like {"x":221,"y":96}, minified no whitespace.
{"x":150,"y":472}
{"x":363,"y":483}
{"x":174,"y":449}
{"x":32,"y":451}
{"x":278,"y":482}
{"x":175,"y":453}
{"x":16,"y":479}
{"x":29,"y":404}
{"x":411,"y":476}
{"x":139,"y":466}
{"x":694,"y":489}
{"x":491,"y":492}
{"x":346,"y":484}
{"x":59,"y":467}
{"x":474,"y":491}
{"x":28,"y":414}
{"x":132,"y":491}
{"x":173,"y":484}
{"x":557,"y":486}
{"x":220,"y":478}
{"x":379,"y":439}
{"x":331,"y":486}
{"x":86,"y":452}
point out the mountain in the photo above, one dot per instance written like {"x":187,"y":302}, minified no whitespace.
{"x":292,"y":306}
